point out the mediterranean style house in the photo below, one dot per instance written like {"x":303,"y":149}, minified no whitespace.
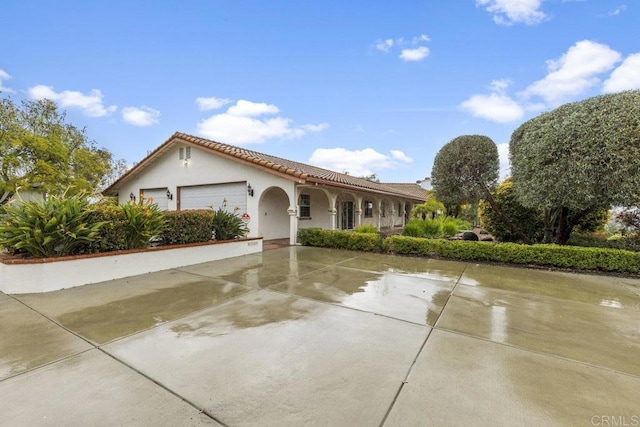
{"x":275,"y":196}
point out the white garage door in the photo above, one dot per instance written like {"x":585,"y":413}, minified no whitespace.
{"x":205,"y":196}
{"x":158,"y":195}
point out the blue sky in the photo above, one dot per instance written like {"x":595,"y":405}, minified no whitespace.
{"x":358,"y":86}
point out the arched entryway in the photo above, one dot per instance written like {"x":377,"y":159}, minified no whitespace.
{"x":274,"y":218}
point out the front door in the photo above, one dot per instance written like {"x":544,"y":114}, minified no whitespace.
{"x":346,"y":215}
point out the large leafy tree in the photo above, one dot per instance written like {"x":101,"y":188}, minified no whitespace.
{"x":578,"y":158}
{"x":39,"y":150}
{"x":466,"y":170}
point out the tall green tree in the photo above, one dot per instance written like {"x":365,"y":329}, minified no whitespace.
{"x":39,"y":150}
{"x":466,"y":170}
{"x":578,"y":158}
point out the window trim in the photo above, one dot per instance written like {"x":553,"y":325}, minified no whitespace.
{"x":368,"y":209}
{"x":307,"y":206}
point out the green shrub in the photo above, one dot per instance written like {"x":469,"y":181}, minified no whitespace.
{"x":413,"y":228}
{"x":57,"y":226}
{"x":630,"y":243}
{"x":431,"y":228}
{"x":439,"y":227}
{"x":366,"y":242}
{"x":189,"y":226}
{"x":598,"y":259}
{"x":530,"y":221}
{"x":227,"y":225}
{"x":113,"y":234}
{"x":366,"y":228}
{"x":143,"y":221}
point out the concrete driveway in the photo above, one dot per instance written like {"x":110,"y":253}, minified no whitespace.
{"x":308,"y":336}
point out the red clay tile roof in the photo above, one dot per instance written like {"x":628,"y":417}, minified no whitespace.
{"x":409,"y":187}
{"x":299,"y":172}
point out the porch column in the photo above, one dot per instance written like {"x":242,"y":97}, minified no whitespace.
{"x":332,"y":218}
{"x":379,"y":209}
{"x":293,"y":225}
{"x":358,"y":212}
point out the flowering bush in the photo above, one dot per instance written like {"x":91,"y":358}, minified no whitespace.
{"x":228,"y":225}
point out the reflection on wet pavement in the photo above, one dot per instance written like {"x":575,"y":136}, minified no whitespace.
{"x":448,"y":271}
{"x":568,"y":286}
{"x":459,"y":380}
{"x":403,"y":297}
{"x":116,"y":319}
{"x":272,"y":359}
{"x":575,"y":330}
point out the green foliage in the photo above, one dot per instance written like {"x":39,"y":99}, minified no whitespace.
{"x":599,"y":259}
{"x":577,"y":158}
{"x":465,"y":169}
{"x":367,"y":242}
{"x":41,"y":152}
{"x":227,"y":225}
{"x":366,"y":228}
{"x":113,"y":234}
{"x":143,"y":221}
{"x":529,"y":220}
{"x":596,"y":259}
{"x":630,"y":243}
{"x":189,"y":226}
{"x":57,"y":226}
{"x":442,"y":226}
{"x":430,"y":209}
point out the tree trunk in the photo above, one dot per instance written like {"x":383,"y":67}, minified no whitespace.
{"x":562,"y":224}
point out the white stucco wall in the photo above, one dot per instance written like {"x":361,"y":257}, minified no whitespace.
{"x":52,"y":276}
{"x":273,"y":218}
{"x":204,"y":168}
{"x":319,"y":210}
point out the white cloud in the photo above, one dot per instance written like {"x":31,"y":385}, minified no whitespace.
{"x":575,"y":72}
{"x":507,"y":12}
{"x":618,"y":10}
{"x":212,"y":103}
{"x":91,"y":105}
{"x":384,"y":45}
{"x":625,"y":77}
{"x":5,"y":76}
{"x":241,"y":124}
{"x":357,"y":162}
{"x":503,"y":154}
{"x":315,"y":128}
{"x":417,"y":54}
{"x":410,"y":50}
{"x":497,"y":106}
{"x":399,"y":155}
{"x":140,"y":116}
{"x":252,"y":109}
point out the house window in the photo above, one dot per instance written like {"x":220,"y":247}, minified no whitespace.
{"x":305,"y":206}
{"x":185,"y":153}
{"x":383,"y":209}
{"x":368,"y":209}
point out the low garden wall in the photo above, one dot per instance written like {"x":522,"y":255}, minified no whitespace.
{"x":21,"y":276}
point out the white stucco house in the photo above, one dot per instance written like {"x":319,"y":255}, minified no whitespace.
{"x":277,"y":196}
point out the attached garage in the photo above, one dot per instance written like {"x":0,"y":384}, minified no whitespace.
{"x":158,"y":195}
{"x":205,"y":196}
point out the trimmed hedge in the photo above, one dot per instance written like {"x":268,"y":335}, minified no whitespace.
{"x":597,"y":259}
{"x":189,"y":226}
{"x":367,"y":242}
{"x":113,"y":234}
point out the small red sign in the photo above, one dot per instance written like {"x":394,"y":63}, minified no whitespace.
{"x":245,"y":217}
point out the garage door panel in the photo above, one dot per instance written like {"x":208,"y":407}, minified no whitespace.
{"x":158,"y":195}
{"x":205,"y":196}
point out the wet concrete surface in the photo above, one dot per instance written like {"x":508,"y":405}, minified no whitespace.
{"x":309,"y":336}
